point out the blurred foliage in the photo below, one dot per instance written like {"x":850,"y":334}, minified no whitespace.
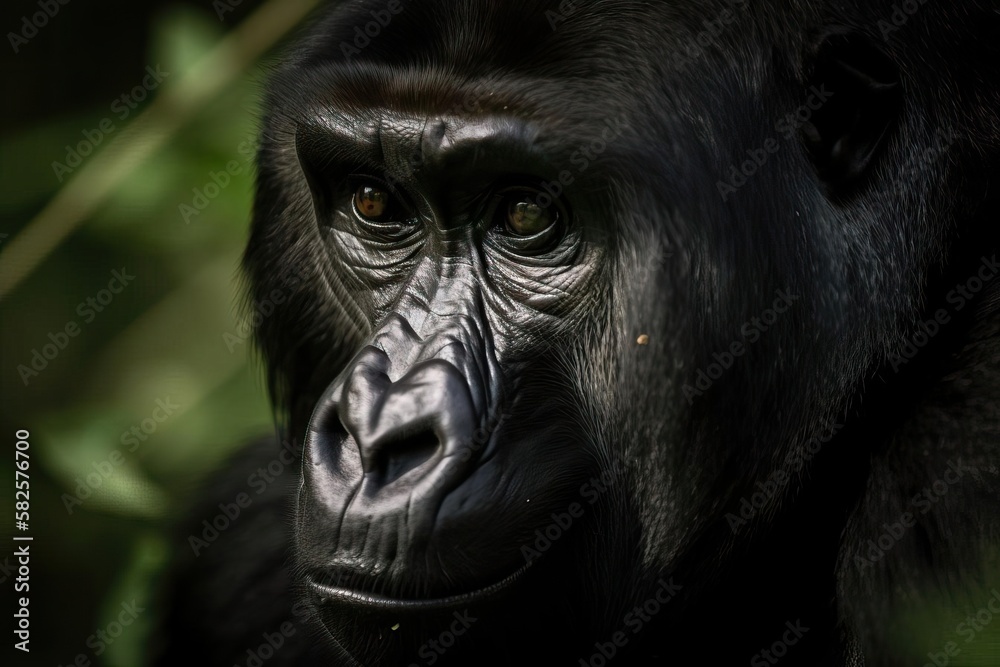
{"x":160,"y":339}
{"x":961,"y":632}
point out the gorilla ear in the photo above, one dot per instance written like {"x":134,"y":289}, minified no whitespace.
{"x":863,"y":98}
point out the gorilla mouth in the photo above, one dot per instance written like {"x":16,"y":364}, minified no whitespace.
{"x":361,"y":600}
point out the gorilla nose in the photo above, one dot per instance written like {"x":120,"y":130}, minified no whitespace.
{"x":412,"y":431}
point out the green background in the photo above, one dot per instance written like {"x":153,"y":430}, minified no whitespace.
{"x":162,"y":337}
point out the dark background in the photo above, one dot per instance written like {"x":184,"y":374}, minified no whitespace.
{"x":162,"y":338}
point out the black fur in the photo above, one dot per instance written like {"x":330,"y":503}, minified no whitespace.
{"x":863,"y":245}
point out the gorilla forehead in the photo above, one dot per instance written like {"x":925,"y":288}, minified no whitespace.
{"x":577,"y":59}
{"x":480,"y":37}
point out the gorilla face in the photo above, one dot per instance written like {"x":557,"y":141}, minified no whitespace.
{"x":470,"y":272}
{"x":563,"y":284}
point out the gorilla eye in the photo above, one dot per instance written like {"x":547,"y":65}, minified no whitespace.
{"x":526,"y":218}
{"x":371,"y":201}
{"x":379,"y":209}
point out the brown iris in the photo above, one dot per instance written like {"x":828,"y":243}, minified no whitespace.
{"x":371,"y":201}
{"x":526,"y":218}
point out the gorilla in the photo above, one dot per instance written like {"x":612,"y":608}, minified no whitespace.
{"x":631,"y":333}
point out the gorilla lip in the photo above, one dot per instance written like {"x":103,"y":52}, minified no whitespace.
{"x":376,"y":602}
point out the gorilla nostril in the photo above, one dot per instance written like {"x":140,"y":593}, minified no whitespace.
{"x":408,"y":453}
